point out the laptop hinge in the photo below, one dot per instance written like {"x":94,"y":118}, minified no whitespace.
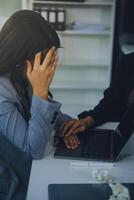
{"x":112,"y":146}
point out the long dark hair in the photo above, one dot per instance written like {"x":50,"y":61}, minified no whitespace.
{"x":23,"y":35}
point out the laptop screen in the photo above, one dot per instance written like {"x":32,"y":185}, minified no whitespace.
{"x":125,"y":130}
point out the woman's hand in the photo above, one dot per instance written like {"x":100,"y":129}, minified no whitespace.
{"x":71,"y":142}
{"x":71,"y":128}
{"x":75,"y":126}
{"x":40,"y":74}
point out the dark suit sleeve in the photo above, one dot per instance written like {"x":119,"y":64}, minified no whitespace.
{"x":112,"y":105}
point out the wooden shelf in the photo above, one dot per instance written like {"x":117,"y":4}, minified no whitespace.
{"x":73,"y":4}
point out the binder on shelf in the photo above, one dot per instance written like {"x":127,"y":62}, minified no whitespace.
{"x":64,"y":0}
{"x":38,"y":10}
{"x":61,"y":20}
{"x":44,"y":14}
{"x":56,"y":17}
{"x":52,"y":18}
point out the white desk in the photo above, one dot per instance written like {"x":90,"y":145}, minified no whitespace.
{"x":50,"y":170}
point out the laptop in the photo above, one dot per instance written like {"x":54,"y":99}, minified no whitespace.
{"x":101,"y":144}
{"x":83,"y":191}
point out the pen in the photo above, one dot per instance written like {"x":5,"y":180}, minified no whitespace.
{"x":92,"y":164}
{"x":84,"y":164}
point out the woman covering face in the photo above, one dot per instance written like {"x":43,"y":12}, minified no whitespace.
{"x":28,"y":60}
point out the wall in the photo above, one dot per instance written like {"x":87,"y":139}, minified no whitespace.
{"x":8,"y":7}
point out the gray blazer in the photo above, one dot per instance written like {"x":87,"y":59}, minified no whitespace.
{"x":20,"y":139}
{"x":33,"y":136}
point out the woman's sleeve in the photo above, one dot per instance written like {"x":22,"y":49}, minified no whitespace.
{"x":62,"y":117}
{"x":111,"y":106}
{"x":33,"y":136}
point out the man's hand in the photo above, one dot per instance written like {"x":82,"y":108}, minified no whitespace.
{"x":71,"y":128}
{"x":75,"y":126}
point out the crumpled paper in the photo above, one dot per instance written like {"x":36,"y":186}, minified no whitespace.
{"x":102,"y":176}
{"x":119,"y":191}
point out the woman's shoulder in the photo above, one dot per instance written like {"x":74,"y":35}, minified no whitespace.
{"x":7,"y":91}
{"x":9,"y":98}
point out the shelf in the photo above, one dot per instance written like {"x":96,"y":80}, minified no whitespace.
{"x":77,"y":86}
{"x":73,"y":4}
{"x":78,"y":106}
{"x":83,"y":70}
{"x":74,"y":109}
{"x":83,"y":33}
{"x":103,"y":64}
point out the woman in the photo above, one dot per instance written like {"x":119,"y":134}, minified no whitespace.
{"x":28,"y":61}
{"x":117,"y":98}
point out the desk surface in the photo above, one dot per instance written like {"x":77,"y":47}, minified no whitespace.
{"x":50,"y":170}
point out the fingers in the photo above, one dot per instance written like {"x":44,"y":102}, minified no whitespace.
{"x":71,"y":142}
{"x":74,"y":126}
{"x":70,"y":128}
{"x":48,"y":58}
{"x":67,"y":126}
{"x":55,"y":59}
{"x":54,"y":62}
{"x":29,"y":68}
{"x":37,"y":60}
{"x":78,"y":130}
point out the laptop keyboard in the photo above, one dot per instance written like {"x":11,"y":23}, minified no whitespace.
{"x":96,"y":145}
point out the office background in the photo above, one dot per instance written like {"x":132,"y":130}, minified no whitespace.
{"x":79,"y":83}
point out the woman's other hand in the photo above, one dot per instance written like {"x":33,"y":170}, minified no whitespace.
{"x":71,"y":142}
{"x":70,"y":129}
{"x":40,"y":74}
